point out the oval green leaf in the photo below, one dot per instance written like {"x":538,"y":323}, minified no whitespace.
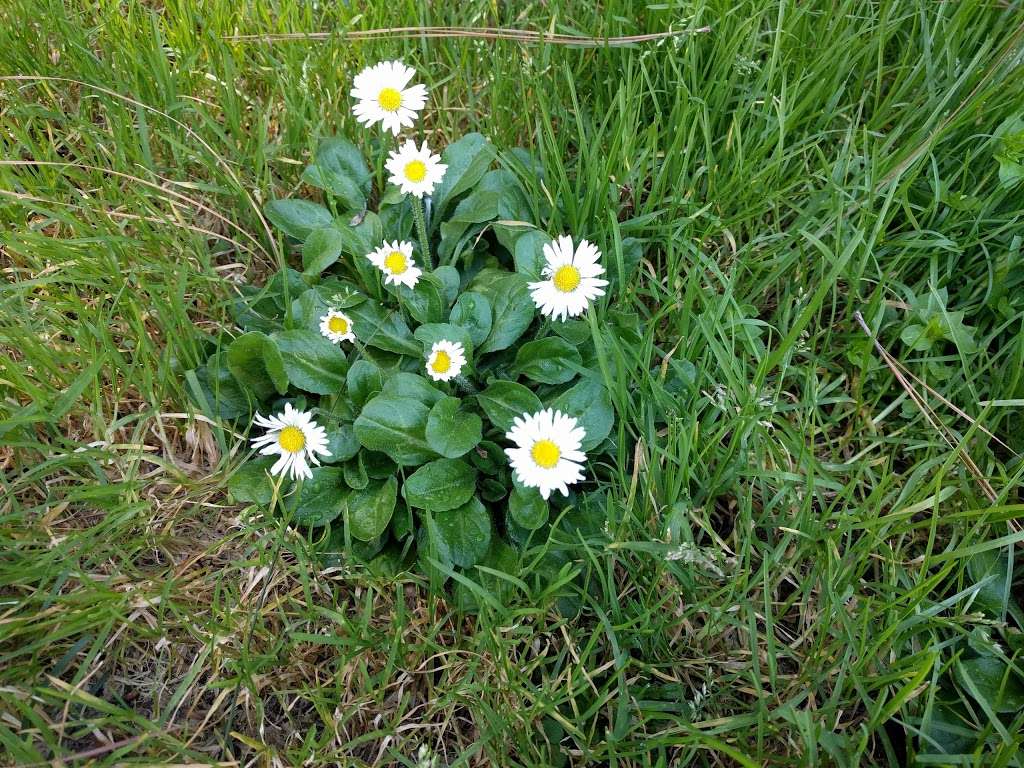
{"x":461,"y":536}
{"x":440,"y":485}
{"x":550,"y":361}
{"x":370,"y":509}
{"x":320,"y":498}
{"x":311,"y":361}
{"x":527,"y":508}
{"x":395,"y":426}
{"x":451,"y":432}
{"x":472,"y":311}
{"x":503,"y":401}
{"x":297,"y":218}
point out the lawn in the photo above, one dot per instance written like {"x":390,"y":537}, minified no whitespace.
{"x":805,"y":548}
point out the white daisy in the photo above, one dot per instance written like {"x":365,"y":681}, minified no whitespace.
{"x":574,"y":279}
{"x":384,"y":98}
{"x":296,"y":438}
{"x":416,"y":171}
{"x":337,"y":326}
{"x":396,"y":262}
{"x":446,"y":360}
{"x":547,"y":455}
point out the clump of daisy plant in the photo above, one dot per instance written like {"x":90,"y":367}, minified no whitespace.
{"x":449,"y":410}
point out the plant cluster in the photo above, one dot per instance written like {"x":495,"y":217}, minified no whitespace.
{"x":430,"y":374}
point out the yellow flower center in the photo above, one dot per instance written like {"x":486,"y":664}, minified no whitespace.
{"x":442,"y":362}
{"x":567,"y":278}
{"x":395,"y":263}
{"x":338,"y":324}
{"x":292,"y":439}
{"x":389,"y":99}
{"x":545,"y":453}
{"x":416,"y":171}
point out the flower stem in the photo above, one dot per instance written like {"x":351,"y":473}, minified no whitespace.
{"x":420,"y":216}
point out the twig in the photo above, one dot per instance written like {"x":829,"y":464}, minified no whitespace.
{"x":901,"y":376}
{"x":473,"y":33}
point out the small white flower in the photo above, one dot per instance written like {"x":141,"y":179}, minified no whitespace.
{"x":396,"y":262}
{"x":445,"y":360}
{"x":384,"y":98}
{"x":547,"y":455}
{"x":296,"y":438}
{"x":415,"y":171}
{"x":574,"y":279}
{"x":337,"y":326}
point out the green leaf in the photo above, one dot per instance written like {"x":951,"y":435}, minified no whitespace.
{"x":432,"y":333}
{"x":489,"y":457}
{"x":364,"y":381}
{"x":312,"y":362}
{"x":341,"y":442}
{"x":384,"y":329}
{"x":321,"y":249}
{"x":297,"y":218}
{"x":503,"y":401}
{"x":425,"y":301}
{"x":529,"y":255}
{"x":440,"y":485}
{"x":361,"y":235}
{"x":984,"y":677}
{"x":251,"y":483}
{"x":461,"y":536}
{"x":994,"y":596}
{"x":276,"y":367}
{"x":395,"y":426}
{"x":499,"y":195}
{"x":378,"y":465}
{"x":480,"y":206}
{"x":527,"y":508}
{"x":341,"y":170}
{"x":472,"y":311}
{"x":1009,"y":152}
{"x":410,"y":385}
{"x":247,"y":359}
{"x":511,"y":305}
{"x":550,"y":361}
{"x":216,"y":390}
{"x":576,"y":332}
{"x":355,"y":473}
{"x":500,"y":557}
{"x":370,"y":509}
{"x":468,"y":160}
{"x":307,"y":310}
{"x":450,"y":281}
{"x":492,"y":490}
{"x":589,"y":403}
{"x":284,"y":286}
{"x":320,"y":498}
{"x":450,"y":432}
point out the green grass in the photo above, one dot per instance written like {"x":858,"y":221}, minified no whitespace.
{"x":793,"y":569}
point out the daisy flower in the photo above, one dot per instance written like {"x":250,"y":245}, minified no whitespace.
{"x":573,"y":279}
{"x":547,"y":455}
{"x":446,"y":360}
{"x":396,"y":262}
{"x":295,"y":438}
{"x":337,"y":326}
{"x":415,"y":171}
{"x":384,"y":98}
